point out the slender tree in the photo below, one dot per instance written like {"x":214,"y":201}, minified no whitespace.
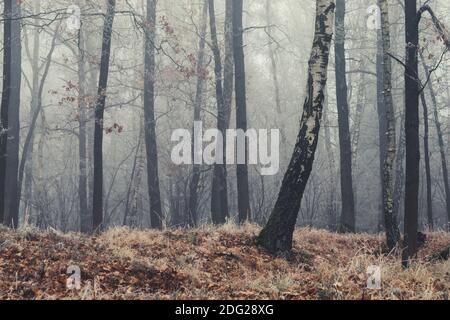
{"x":97,"y":206}
{"x":426,"y":154}
{"x":241,"y":109}
{"x":13,"y":144}
{"x":278,"y":233}
{"x":6,"y":91}
{"x":411,"y":131}
{"x":150,"y":120}
{"x":15,"y":203}
{"x":273,"y":61}
{"x":440,"y":136}
{"x":390,"y":221}
{"x":219,"y":196}
{"x":85,"y":215}
{"x":347,"y":195}
{"x":192,"y":214}
{"x":228,"y":67}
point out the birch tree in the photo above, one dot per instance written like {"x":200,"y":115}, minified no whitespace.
{"x":278,"y":233}
{"x":392,"y":231}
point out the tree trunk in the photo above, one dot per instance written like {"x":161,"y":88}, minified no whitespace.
{"x":411,"y":132}
{"x":13,"y":144}
{"x":440,"y":135}
{"x":192,"y":214}
{"x":219,"y":195}
{"x":273,"y":62}
{"x":347,"y":195}
{"x":241,"y":109}
{"x":426,"y":153}
{"x":278,"y":233}
{"x":6,"y":93}
{"x":331,"y":202}
{"x":228,"y":69}
{"x":382,"y":126}
{"x":390,"y":222}
{"x":97,"y":206}
{"x":14,"y":205}
{"x":399,"y":170}
{"x":85,"y":216}
{"x":33,"y":56}
{"x":156,"y":215}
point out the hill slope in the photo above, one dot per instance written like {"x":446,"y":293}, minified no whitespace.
{"x":210,"y":264}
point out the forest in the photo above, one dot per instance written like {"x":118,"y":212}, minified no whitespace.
{"x":224,"y":149}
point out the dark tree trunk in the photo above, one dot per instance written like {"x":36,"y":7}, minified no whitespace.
{"x":97,"y":206}
{"x":85,"y":215}
{"x":277,"y":236}
{"x":6,"y":93}
{"x":13,"y":145}
{"x":241,"y":109}
{"x":411,"y":132}
{"x":228,"y":69}
{"x":219,"y":195}
{"x":440,"y":136}
{"x":426,"y":153}
{"x":156,"y":216}
{"x":347,"y":195}
{"x":192,"y":213}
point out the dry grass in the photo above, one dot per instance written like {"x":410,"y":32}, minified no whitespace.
{"x":211,"y":263}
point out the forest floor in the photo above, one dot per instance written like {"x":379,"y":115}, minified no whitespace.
{"x":211,"y":263}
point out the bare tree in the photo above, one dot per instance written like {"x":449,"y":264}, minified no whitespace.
{"x":392,"y":231}
{"x":241,"y":109}
{"x":97,"y":207}
{"x":6,"y":92}
{"x":277,"y":234}
{"x":347,"y":195}
{"x":150,"y":120}
{"x":13,"y":144}
{"x":219,"y":193}
{"x":198,"y":103}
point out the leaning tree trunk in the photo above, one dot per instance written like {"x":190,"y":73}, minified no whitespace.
{"x":14,"y":205}
{"x":7,"y":57}
{"x":97,"y":205}
{"x":278,"y":233}
{"x":154,"y":192}
{"x":347,"y":195}
{"x":411,"y":132}
{"x":219,"y":194}
{"x":390,"y":222}
{"x":241,"y":109}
